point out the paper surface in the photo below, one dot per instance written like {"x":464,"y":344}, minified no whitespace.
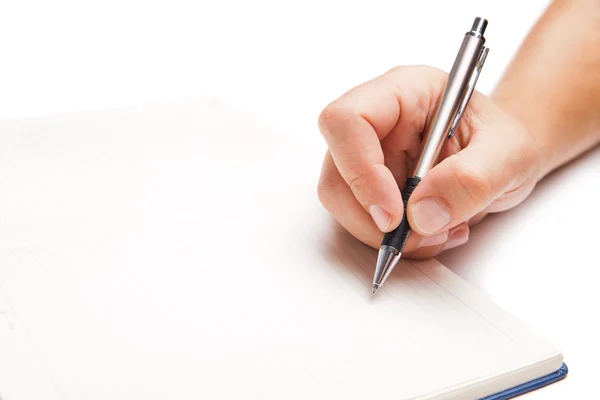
{"x":179,"y":251}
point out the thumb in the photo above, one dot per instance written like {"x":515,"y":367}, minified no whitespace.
{"x":467,"y":182}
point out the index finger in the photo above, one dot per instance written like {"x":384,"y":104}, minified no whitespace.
{"x":394,"y":107}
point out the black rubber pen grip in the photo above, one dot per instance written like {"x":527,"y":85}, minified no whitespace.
{"x":399,"y":236}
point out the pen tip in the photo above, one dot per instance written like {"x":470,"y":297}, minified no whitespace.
{"x":375,"y":288}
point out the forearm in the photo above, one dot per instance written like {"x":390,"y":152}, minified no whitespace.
{"x":553,"y":84}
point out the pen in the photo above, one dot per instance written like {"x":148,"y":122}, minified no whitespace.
{"x":458,"y":90}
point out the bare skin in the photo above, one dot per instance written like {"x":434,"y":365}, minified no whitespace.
{"x":544,"y":113}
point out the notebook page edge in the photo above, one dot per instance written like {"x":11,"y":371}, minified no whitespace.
{"x":500,"y":382}
{"x":484,"y":305}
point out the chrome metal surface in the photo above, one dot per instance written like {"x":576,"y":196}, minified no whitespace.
{"x":387,"y":259}
{"x":470,"y":89}
{"x":457,"y":88}
{"x":479,"y":26}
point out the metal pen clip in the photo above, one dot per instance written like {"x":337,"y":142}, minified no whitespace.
{"x":469,"y":91}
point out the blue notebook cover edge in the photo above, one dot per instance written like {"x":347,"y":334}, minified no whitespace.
{"x":530,"y":386}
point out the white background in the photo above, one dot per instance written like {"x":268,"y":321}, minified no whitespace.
{"x":283,"y":62}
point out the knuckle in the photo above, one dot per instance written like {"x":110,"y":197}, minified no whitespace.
{"x":475,"y":183}
{"x":397,"y":69}
{"x":433,"y":72}
{"x":332,"y":116}
{"x":433,"y":75}
{"x":469,"y":123}
{"x":359,"y":185}
{"x":421,"y":70}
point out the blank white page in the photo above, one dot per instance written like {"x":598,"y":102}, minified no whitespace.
{"x":179,"y":251}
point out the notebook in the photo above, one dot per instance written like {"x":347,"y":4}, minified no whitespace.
{"x":179,"y":251}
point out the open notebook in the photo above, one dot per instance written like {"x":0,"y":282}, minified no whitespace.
{"x":179,"y":251}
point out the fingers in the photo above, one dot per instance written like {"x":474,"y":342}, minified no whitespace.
{"x":456,"y":236}
{"x":477,"y":218}
{"x":354,"y":125}
{"x":338,"y":199}
{"x":470,"y":181}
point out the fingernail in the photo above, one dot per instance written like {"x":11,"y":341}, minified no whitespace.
{"x":457,"y":238}
{"x":430,"y":216}
{"x":381,"y":217}
{"x":434,"y":240}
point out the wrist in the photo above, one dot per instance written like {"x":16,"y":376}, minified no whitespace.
{"x":540,"y":129}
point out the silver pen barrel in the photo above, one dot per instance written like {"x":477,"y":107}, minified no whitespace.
{"x":454,"y":100}
{"x":465,"y":66}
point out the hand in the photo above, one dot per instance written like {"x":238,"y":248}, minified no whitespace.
{"x":374,"y":133}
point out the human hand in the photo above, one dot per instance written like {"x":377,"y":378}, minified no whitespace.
{"x":374,"y":133}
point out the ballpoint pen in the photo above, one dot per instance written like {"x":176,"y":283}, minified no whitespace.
{"x":458,"y":90}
